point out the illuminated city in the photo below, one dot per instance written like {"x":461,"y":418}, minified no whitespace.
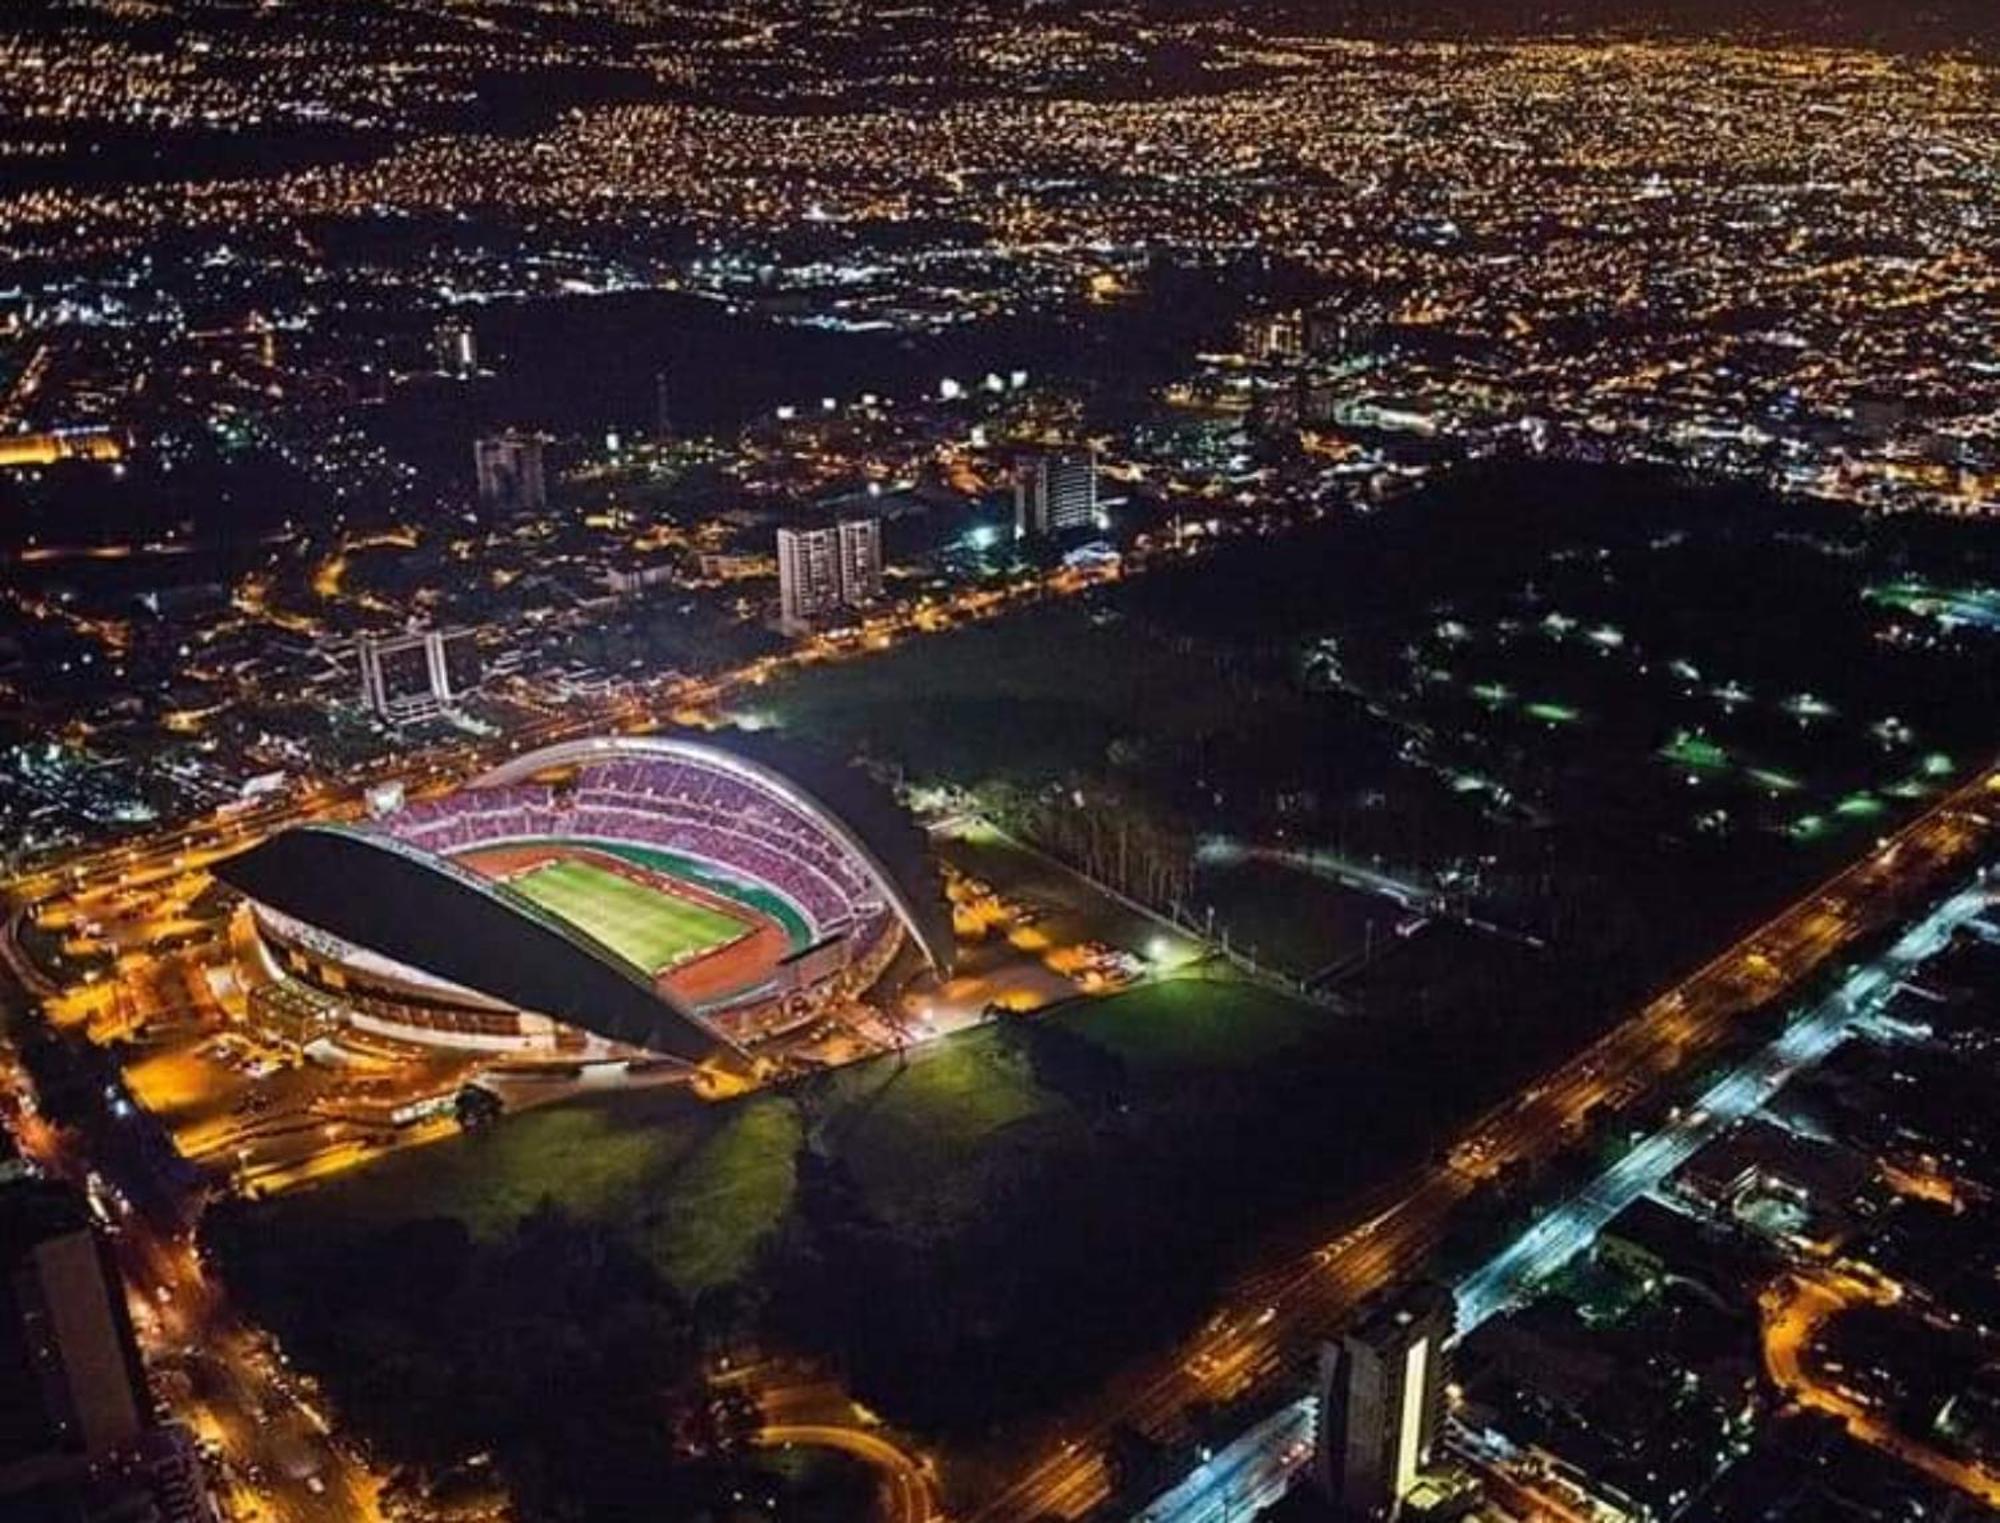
{"x":1150,"y":763}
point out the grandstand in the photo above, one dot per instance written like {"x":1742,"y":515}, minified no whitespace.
{"x":701,"y":872}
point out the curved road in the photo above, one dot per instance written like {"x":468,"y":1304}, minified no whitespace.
{"x":906,"y":1492}
{"x":1795,"y":1309}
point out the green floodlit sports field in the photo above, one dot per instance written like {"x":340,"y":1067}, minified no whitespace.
{"x":641,"y":924}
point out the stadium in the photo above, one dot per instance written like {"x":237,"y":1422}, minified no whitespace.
{"x":681,"y":897}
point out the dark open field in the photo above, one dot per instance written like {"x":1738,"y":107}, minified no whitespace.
{"x":913,"y":1219}
{"x":705,"y":1184}
{"x":1566,"y":695}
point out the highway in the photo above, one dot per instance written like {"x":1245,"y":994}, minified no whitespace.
{"x":220,"y":1376}
{"x":1554,"y":1238}
{"x":1275,"y":1314}
{"x":690,"y":699}
{"x":283,"y":1462}
{"x":1250,"y":1474}
{"x":1571,"y":1227}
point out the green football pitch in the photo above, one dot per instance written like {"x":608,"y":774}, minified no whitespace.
{"x":641,"y":924}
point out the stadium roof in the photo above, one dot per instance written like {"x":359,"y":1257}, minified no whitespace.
{"x":841,"y":799}
{"x":369,"y":889}
{"x":373,"y":891}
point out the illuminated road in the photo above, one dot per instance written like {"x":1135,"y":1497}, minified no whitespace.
{"x":179,"y":848}
{"x":1794,"y":1311}
{"x":1297,"y":1298}
{"x":281,"y":1462}
{"x":1278,"y":1312}
{"x":799,"y":1406}
{"x":284,"y":1464}
{"x":1251,"y":1473}
{"x":1557,"y":1237}
{"x":905,"y":1495}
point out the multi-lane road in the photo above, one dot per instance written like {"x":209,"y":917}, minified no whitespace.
{"x":1274,"y":1315}
{"x":222,"y":1377}
{"x":1262,"y":1463}
{"x":1250,"y":1474}
{"x":1558,"y":1236}
{"x":154,"y":857}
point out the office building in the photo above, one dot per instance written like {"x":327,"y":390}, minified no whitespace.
{"x":1055,"y":492}
{"x":72,"y":1389}
{"x":158,"y":1478}
{"x":455,"y":349}
{"x":828,"y":568}
{"x":1381,"y":1391}
{"x":419,"y":674}
{"x":79,"y":1440}
{"x":509,"y":470}
{"x":396,"y":677}
{"x":57,"y":444}
{"x":457,"y":668}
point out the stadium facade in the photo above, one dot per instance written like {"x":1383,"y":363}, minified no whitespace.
{"x":657,"y":894}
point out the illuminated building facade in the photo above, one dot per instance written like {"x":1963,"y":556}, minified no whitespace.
{"x":1382,"y":1401}
{"x":828,"y":568}
{"x":79,"y":1439}
{"x":1055,"y":492}
{"x":455,"y":349}
{"x":418,"y":675}
{"x":424,"y":925}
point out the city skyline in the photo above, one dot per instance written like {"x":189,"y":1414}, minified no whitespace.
{"x":1129,"y":763}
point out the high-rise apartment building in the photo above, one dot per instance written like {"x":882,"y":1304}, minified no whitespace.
{"x":825,"y":569}
{"x":79,"y":1439}
{"x":510,"y":474}
{"x":455,"y":349}
{"x":1055,"y":492}
{"x":860,"y":560}
{"x":71,"y":1384}
{"x":1382,"y":1401}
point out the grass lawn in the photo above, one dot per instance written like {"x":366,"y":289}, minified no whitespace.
{"x":1192,"y":1023}
{"x":597,"y":1157}
{"x":701,"y":1185}
{"x":1288,"y":917}
{"x":1003,"y":699}
{"x":905,"y":1129}
{"x":726,"y":1194}
{"x":646,"y":927}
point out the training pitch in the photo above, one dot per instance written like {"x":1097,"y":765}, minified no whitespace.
{"x":645,"y":925}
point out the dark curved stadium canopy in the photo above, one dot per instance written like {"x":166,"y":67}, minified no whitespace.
{"x":376,"y":893}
